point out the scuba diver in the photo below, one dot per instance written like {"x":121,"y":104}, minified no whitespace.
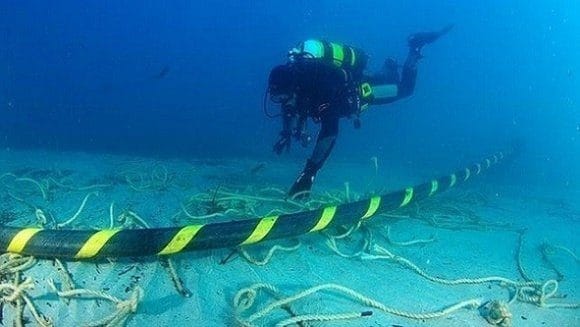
{"x":325,"y":81}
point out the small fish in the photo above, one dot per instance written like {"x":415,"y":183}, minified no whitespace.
{"x":164,"y":71}
{"x":258,"y":168}
{"x":126,"y":270}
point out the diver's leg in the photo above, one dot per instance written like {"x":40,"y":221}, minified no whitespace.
{"x":409,"y":73}
{"x":416,"y":42}
{"x":324,"y":144}
{"x":405,"y":85}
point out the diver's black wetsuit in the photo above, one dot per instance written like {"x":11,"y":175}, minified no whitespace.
{"x":326,"y":92}
{"x":405,"y":82}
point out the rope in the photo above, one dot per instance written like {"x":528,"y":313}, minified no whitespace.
{"x":268,"y":257}
{"x":332,"y":244}
{"x":408,"y":243}
{"x":386,"y":254}
{"x":15,"y":292}
{"x":124,"y":308}
{"x":167,"y":263}
{"x":37,"y":184}
{"x":13,"y":263}
{"x":245,"y":298}
{"x":76,"y":215}
{"x":521,"y":269}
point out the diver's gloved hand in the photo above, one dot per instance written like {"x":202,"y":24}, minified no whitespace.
{"x":302,"y":137}
{"x":418,"y":40}
{"x":282,"y":143}
{"x":305,"y":139}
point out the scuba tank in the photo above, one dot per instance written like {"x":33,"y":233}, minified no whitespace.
{"x":346,"y":57}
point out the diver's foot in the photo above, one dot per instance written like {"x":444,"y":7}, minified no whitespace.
{"x":301,"y":188}
{"x":419,"y":40}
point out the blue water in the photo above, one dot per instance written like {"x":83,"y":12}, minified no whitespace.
{"x":186,"y":79}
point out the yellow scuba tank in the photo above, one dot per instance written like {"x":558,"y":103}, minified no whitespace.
{"x":340,"y":55}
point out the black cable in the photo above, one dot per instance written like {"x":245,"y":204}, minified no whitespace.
{"x":265,"y":106}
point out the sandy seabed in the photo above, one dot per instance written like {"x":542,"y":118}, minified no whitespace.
{"x":479,"y":229}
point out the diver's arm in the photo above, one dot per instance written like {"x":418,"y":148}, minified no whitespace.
{"x":300,"y":133}
{"x":324,"y":144}
{"x":288,"y":121}
{"x":301,"y":124}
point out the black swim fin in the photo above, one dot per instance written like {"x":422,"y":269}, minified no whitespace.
{"x":301,"y":188}
{"x":417,"y":40}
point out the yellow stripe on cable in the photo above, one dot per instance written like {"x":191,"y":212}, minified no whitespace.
{"x":434,"y":187}
{"x":95,"y":243}
{"x":467,"y":174}
{"x":20,"y":240}
{"x":262,"y":229}
{"x":181,"y":239}
{"x":408,"y":196}
{"x":453,"y":180}
{"x":325,"y":218}
{"x":374,"y":204}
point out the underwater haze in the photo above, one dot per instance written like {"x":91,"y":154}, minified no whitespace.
{"x":186,"y":79}
{"x":158,"y":107}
